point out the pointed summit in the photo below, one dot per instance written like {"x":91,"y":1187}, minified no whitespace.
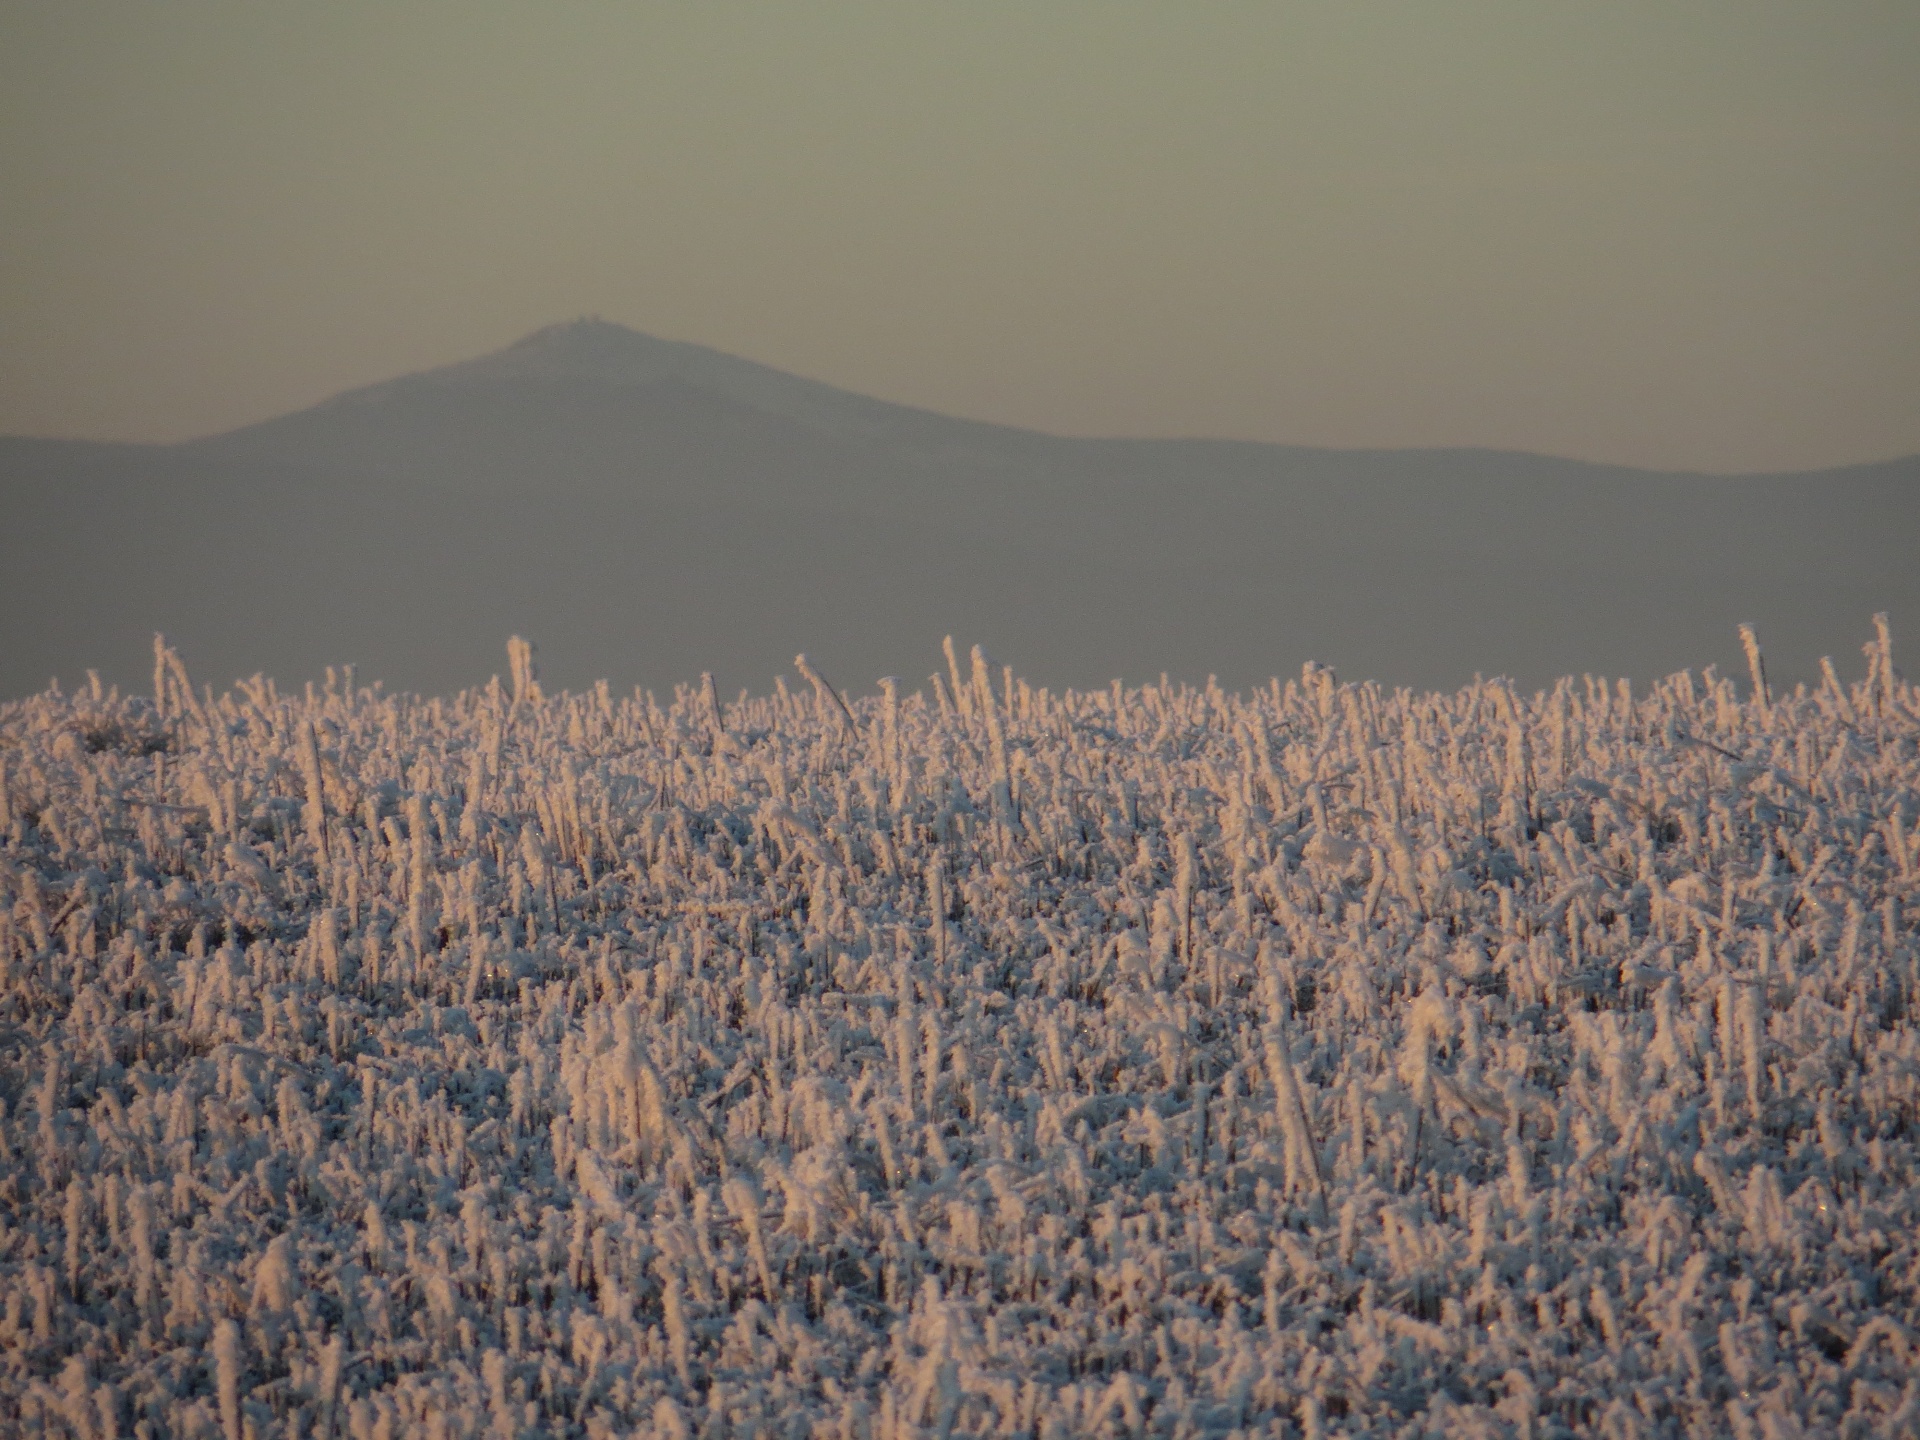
{"x":594,"y":347}
{"x":602,"y":355}
{"x":590,"y":349}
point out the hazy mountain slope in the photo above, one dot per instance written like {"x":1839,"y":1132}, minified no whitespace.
{"x":649,"y":510}
{"x":588,"y":358}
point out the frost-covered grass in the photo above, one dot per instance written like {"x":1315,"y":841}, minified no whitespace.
{"x":1155,"y":1062}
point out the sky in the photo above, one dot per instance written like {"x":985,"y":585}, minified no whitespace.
{"x":1680,"y":235}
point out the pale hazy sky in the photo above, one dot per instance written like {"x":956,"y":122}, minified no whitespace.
{"x":1674,"y":234}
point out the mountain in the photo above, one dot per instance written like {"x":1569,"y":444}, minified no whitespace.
{"x":647,"y":510}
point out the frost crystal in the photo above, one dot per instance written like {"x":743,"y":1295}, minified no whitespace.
{"x":1161,"y":1061}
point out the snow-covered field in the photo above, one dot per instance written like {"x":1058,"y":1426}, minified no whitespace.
{"x":1147,"y":1061}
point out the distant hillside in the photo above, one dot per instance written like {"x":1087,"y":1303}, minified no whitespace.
{"x":648,"y":510}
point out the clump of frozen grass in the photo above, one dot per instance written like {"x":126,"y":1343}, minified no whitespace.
{"x":1164,"y":1061}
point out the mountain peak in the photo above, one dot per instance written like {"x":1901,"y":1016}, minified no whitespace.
{"x":591,"y":338}
{"x":603,"y":349}
{"x":581,"y":330}
{"x":599,"y":352}
{"x":589,"y":348}
{"x":589,"y":354}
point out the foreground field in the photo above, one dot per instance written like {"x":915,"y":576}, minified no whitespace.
{"x":1150,"y":1062}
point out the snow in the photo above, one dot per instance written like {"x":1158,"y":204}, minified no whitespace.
{"x":1317,"y":1060}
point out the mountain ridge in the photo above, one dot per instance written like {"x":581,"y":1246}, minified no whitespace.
{"x":593,"y":350}
{"x":605,"y":351}
{"x":605,"y":354}
{"x":651,"y":509}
